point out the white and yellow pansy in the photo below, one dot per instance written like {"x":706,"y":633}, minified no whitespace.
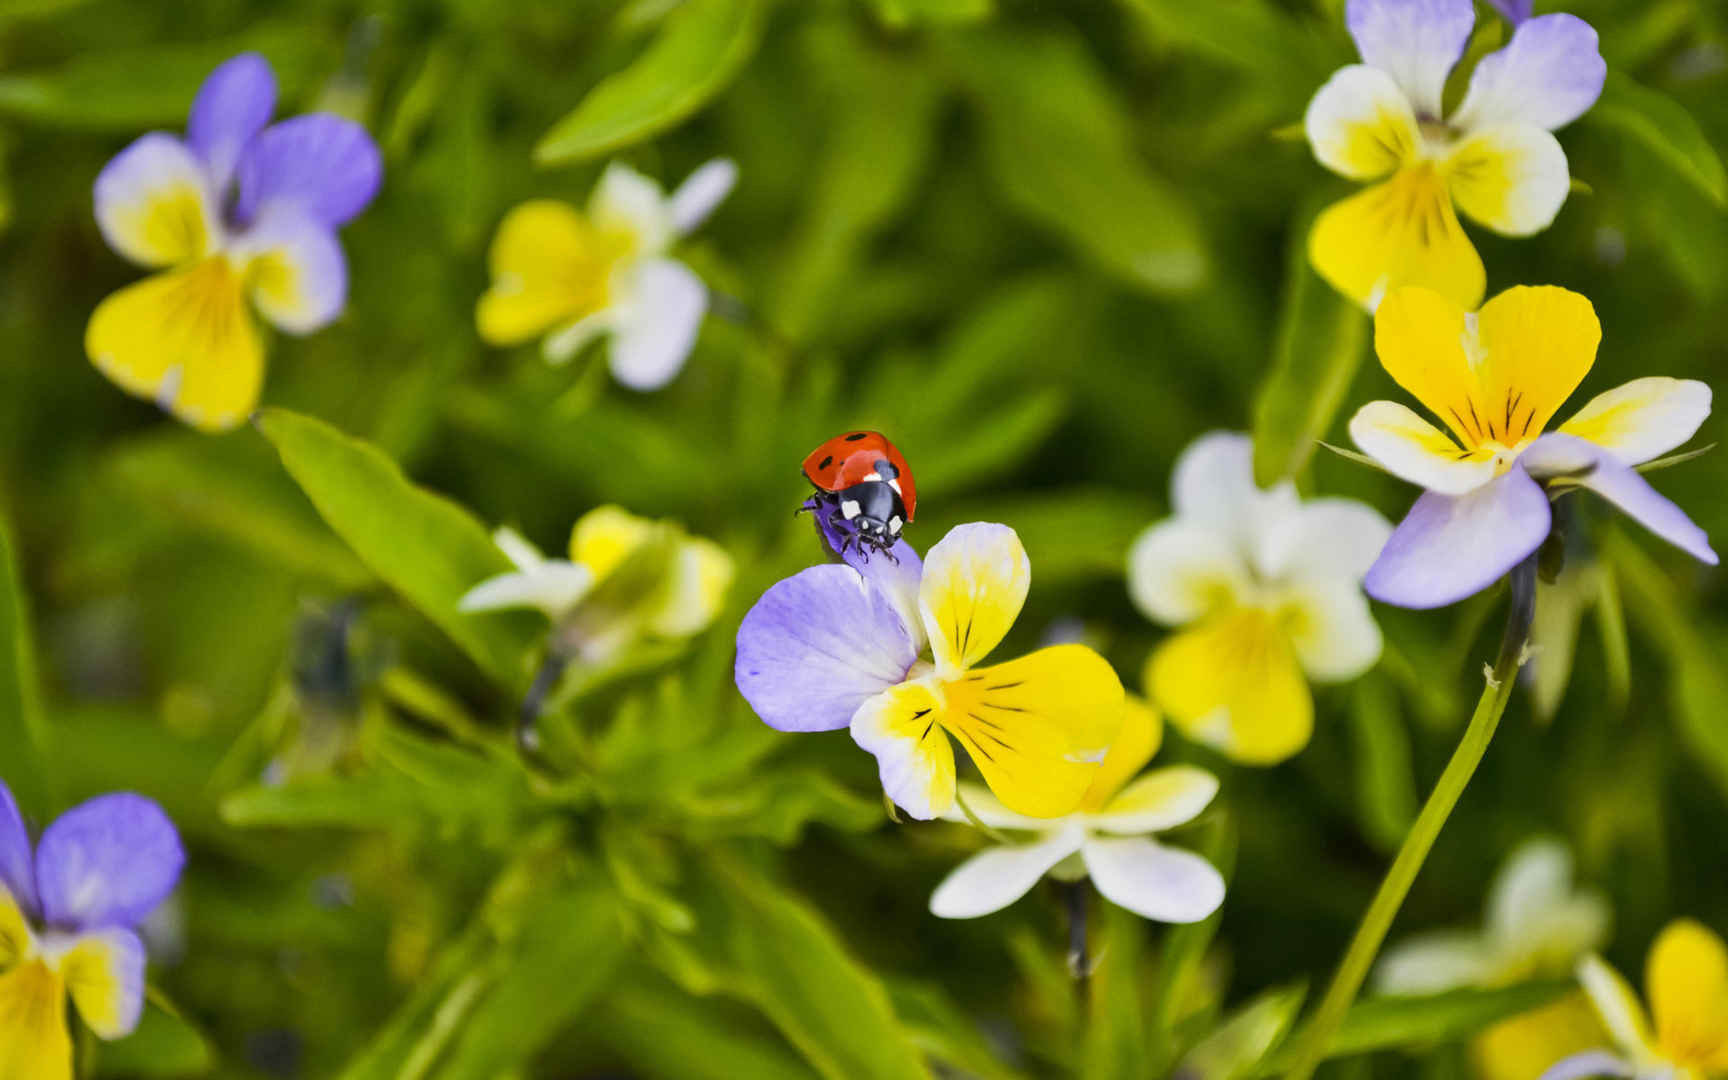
{"x":236,"y":216}
{"x":1684,"y":1036}
{"x":1267,"y":589}
{"x":687,"y":593}
{"x":1108,"y":838}
{"x":1494,"y":157}
{"x":835,"y":647}
{"x":571,"y":277}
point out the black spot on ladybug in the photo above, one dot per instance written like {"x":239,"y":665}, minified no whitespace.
{"x":827,"y":461}
{"x":856,"y":435}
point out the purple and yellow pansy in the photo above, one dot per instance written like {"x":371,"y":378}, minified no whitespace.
{"x":69,"y":911}
{"x":240,"y":214}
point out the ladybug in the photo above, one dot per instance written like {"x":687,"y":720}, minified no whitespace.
{"x":864,"y":488}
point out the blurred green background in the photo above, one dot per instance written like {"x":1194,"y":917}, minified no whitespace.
{"x":1043,"y":245}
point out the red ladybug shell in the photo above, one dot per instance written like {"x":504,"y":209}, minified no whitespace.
{"x":847,"y":459}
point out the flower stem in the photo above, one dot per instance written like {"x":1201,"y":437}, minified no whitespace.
{"x":545,"y":681}
{"x":1074,"y":896}
{"x":1396,"y":885}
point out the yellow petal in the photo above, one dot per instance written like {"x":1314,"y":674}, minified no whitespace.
{"x":14,"y":931}
{"x":1644,"y":418}
{"x":1142,"y":732}
{"x":975,"y":581}
{"x":153,"y":205}
{"x":1360,"y":124}
{"x":1512,"y":179}
{"x":1037,"y":727}
{"x":104,"y":972}
{"x":604,"y":536}
{"x":1398,"y":232}
{"x":1687,"y":980}
{"x":1523,"y":1047}
{"x":901,"y":726}
{"x":34,"y":1041}
{"x":1419,"y":336}
{"x":1537,"y":345}
{"x":1412,"y":449}
{"x":184,"y":340}
{"x":549,"y":266}
{"x":1233,"y":682}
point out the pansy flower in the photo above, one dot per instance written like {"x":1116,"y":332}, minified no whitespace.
{"x":838,"y":646}
{"x":684,"y":596}
{"x":69,"y":913}
{"x":1686,"y":979}
{"x":1109,"y":838}
{"x":572,"y":277}
{"x":1267,"y":589}
{"x":1495,"y":378}
{"x":1493,"y":158}
{"x":235,"y":216}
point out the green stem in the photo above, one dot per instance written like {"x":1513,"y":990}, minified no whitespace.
{"x":1396,"y":885}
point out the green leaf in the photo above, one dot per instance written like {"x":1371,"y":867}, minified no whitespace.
{"x":668,"y":1035}
{"x":1321,"y":338}
{"x":769,"y":947}
{"x":22,"y":729}
{"x":1663,"y":127}
{"x":1385,"y":778}
{"x":947,"y":1033}
{"x":1244,"y":1039}
{"x":1062,"y":151}
{"x":900,"y":14}
{"x":1070,"y":536}
{"x":164,"y":1045}
{"x":427,"y":548}
{"x":1114,"y":1045}
{"x":699,"y":50}
{"x":1253,"y":35}
{"x":1392,"y":1022}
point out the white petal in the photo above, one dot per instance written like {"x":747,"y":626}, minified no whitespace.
{"x":1162,"y":799}
{"x":1588,"y":1064}
{"x":1547,"y":76}
{"x":1643,"y":419}
{"x":914,"y":759}
{"x":656,"y":329}
{"x":701,"y":192}
{"x":554,"y":587}
{"x":1179,"y":571}
{"x":1616,"y":1006}
{"x":1513,"y":178}
{"x":1412,"y":449}
{"x":567,"y":340}
{"x":628,"y":201}
{"x":993,"y":879}
{"x":695,"y":590}
{"x":1331,"y":627}
{"x":1360,"y":124}
{"x":517,"y":548}
{"x":986,"y":807}
{"x":1151,"y":880}
{"x":1327,"y":540}
{"x":1432,"y":963}
{"x":153,"y":203}
{"x":1536,"y":878}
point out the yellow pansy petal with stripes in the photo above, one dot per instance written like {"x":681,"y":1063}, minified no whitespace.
{"x":1037,"y":727}
{"x":1233,"y":682}
{"x":902,"y":727}
{"x":975,"y":581}
{"x":1643,"y":419}
{"x":152,"y":204}
{"x":1399,"y":232}
{"x":1142,"y":733}
{"x":185,"y":340}
{"x":34,"y":1041}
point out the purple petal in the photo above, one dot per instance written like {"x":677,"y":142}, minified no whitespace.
{"x":817,"y":646}
{"x":1558,"y":454}
{"x":107,"y":862}
{"x":15,"y":872}
{"x":1452,"y":546}
{"x":325,"y":165}
{"x":1548,"y":75}
{"x":1516,"y":11}
{"x":897,"y":573}
{"x":1414,"y":41}
{"x":233,"y":105}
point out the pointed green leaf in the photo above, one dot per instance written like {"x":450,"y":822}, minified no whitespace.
{"x":701,"y":46}
{"x":423,"y":545}
{"x":1663,"y":127}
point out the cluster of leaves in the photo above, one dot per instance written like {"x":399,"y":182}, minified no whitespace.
{"x":1043,"y":247}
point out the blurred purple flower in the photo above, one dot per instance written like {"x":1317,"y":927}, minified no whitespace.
{"x":236,"y":211}
{"x":69,"y":912}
